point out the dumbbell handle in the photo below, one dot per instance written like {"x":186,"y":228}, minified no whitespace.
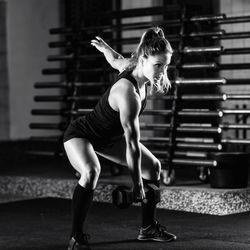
{"x":123,"y":196}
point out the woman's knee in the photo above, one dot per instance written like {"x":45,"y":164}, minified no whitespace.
{"x":89,"y":175}
{"x":92,"y":171}
{"x":152,"y":169}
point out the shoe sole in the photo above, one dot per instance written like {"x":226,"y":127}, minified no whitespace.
{"x":156,"y":239}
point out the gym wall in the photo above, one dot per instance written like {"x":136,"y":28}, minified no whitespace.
{"x":28,"y":23}
{"x":4,"y":89}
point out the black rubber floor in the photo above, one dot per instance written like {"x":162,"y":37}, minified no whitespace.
{"x":44,"y":224}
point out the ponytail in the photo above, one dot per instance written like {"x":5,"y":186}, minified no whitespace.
{"x":153,"y":42}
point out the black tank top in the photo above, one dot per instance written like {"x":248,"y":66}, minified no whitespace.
{"x":103,"y":123}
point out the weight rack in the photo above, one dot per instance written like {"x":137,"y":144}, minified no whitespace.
{"x":182,"y":127}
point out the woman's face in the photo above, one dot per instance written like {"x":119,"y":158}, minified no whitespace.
{"x":153,"y":67}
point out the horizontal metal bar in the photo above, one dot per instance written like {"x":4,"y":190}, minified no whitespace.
{"x":194,"y":162}
{"x":215,"y":49}
{"x":221,"y":34}
{"x":212,"y":130}
{"x":203,"y":113}
{"x":214,"y":66}
{"x":65,"y":98}
{"x":213,"y":97}
{"x":200,"y":50}
{"x":194,"y":112}
{"x":146,"y":125}
{"x":157,"y":112}
{"x":59,"y":126}
{"x":211,"y":146}
{"x":43,"y":153}
{"x":184,"y":113}
{"x":233,"y":35}
{"x":84,"y":98}
{"x":201,"y":81}
{"x":203,"y":18}
{"x":52,"y":112}
{"x":195,"y":140}
{"x":236,"y":19}
{"x":58,"y":71}
{"x":63,"y":85}
{"x":210,"y":34}
{"x":191,"y":146}
{"x":50,"y":98}
{"x":199,"y":66}
{"x":191,"y":154}
{"x":54,"y":138}
{"x":189,"y":112}
{"x":238,"y":96}
{"x":71,"y":57}
{"x":51,"y":85}
{"x":235,"y":111}
{"x":234,"y":126}
{"x":60,"y":58}
{"x":62,"y":71}
{"x":207,"y":130}
{"x":235,"y":141}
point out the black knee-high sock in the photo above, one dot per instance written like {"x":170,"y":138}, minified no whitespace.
{"x":81,"y":201}
{"x":149,"y":208}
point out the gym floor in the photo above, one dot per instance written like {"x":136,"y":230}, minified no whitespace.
{"x":30,"y":223}
{"x":44,"y":224}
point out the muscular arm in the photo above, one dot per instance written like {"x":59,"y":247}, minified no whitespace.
{"x":116,"y":60}
{"x":129,"y":107}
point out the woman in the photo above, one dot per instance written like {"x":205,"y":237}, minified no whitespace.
{"x":112,"y":131}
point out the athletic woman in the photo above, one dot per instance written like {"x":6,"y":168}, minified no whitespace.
{"x":112,"y":131}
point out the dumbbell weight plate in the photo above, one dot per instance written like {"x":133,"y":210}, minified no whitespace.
{"x":122,"y":199}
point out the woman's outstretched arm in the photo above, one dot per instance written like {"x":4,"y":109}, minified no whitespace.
{"x":116,"y":60}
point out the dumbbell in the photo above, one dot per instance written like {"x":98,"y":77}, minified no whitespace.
{"x":123,"y":196}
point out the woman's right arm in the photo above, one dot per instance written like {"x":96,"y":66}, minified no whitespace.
{"x":129,"y":106}
{"x":116,"y":60}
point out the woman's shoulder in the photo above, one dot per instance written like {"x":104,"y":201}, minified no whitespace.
{"x":124,"y":87}
{"x":123,"y":91}
{"x":124,"y":84}
{"x":126,"y":76}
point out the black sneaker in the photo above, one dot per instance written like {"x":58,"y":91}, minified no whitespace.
{"x":155,"y":232}
{"x":81,"y":243}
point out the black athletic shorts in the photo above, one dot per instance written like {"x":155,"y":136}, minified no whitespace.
{"x":73,"y":131}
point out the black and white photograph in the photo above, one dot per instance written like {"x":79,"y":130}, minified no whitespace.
{"x":125,"y":125}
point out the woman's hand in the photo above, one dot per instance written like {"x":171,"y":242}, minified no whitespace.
{"x":139,"y":193}
{"x":116,"y":60}
{"x":99,"y":44}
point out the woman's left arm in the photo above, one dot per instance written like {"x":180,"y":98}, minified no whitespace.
{"x":116,"y":60}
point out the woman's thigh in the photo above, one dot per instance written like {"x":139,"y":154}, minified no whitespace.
{"x":117,"y":154}
{"x":81,"y":154}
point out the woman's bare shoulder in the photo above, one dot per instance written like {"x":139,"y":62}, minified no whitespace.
{"x":124,"y":86}
{"x":123,"y":91}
